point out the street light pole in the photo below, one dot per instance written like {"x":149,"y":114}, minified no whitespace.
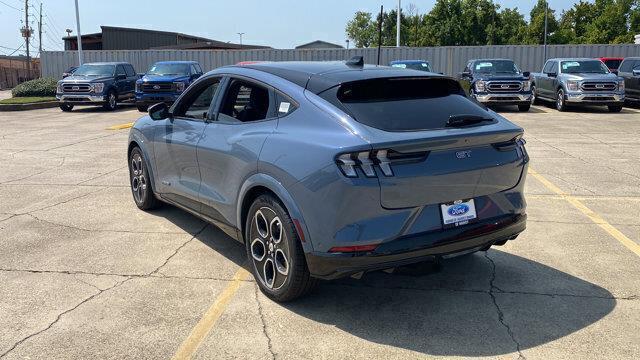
{"x":398,"y":25}
{"x":546,"y":10}
{"x":240,"y":33}
{"x":78,"y":35}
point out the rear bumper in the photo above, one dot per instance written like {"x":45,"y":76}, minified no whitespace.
{"x":504,"y":99}
{"x":418,"y":247}
{"x":595,"y":99}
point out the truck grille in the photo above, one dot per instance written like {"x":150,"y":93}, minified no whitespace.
{"x":599,"y":86}
{"x":76,"y":88}
{"x":504,"y":86}
{"x":157,"y":87}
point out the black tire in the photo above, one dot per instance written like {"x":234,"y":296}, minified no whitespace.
{"x":66,"y":107}
{"x":560,"y":102}
{"x":266,"y":217}
{"x":142,"y":108}
{"x":141,"y":187}
{"x":534,"y":95}
{"x":615,"y":108}
{"x":524,"y":108}
{"x":111,"y":102}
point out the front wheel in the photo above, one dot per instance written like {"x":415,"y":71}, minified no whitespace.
{"x":615,"y":108}
{"x":275,"y":253}
{"x":524,"y":108}
{"x":112,"y":101}
{"x":141,"y":187}
{"x":66,"y":107}
{"x":560,"y":103}
{"x":534,"y":96}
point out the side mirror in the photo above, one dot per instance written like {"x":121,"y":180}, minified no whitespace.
{"x":636,"y":72}
{"x":552,"y":74}
{"x":526,"y":74}
{"x":159,"y":111}
{"x":466,"y":74}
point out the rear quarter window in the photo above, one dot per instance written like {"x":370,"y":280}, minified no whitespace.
{"x":404,"y":104}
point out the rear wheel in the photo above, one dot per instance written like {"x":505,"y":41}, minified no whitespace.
{"x":141,"y":187}
{"x":112,"y":101}
{"x":66,"y":107}
{"x":615,"y":108}
{"x":560,"y":103}
{"x":524,"y":107}
{"x":275,"y":253}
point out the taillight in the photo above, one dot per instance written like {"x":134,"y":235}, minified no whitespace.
{"x":368,"y":161}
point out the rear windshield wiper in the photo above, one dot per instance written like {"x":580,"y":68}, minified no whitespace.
{"x":465,"y":120}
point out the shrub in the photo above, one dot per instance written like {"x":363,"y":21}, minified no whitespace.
{"x":37,"y":87}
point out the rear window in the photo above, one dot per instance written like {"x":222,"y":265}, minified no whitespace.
{"x":612,"y":63}
{"x":404,"y":104}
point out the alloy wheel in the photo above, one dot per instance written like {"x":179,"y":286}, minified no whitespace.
{"x":269,"y":248}
{"x":138,"y":180}
{"x":112,"y":100}
{"x":560,"y":100}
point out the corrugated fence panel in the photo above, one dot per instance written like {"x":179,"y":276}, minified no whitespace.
{"x":447,"y":59}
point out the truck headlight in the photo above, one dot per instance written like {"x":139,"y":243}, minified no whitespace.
{"x":621,"y":85}
{"x":98,"y":88}
{"x":572,"y":85}
{"x":137,"y":87}
{"x":179,"y":86}
{"x":480,"y":86}
{"x":526,"y":85}
{"x":59,"y":88}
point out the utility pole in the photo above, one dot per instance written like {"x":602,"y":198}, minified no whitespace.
{"x":398,"y":24}
{"x":380,"y":33}
{"x":240,"y":33}
{"x":546,"y":10}
{"x":26,"y":33}
{"x":347,"y":41}
{"x":78,"y":35}
{"x":40,"y":31}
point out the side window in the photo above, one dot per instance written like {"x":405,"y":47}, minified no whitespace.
{"x":284,"y":104}
{"x":196,"y":103}
{"x":120,"y":70}
{"x":547,"y":67}
{"x":246,"y":101}
{"x":199,"y":68}
{"x":129,"y":69}
{"x":625,"y":66}
{"x":635,"y":65}
{"x":193,"y":70}
{"x":554,"y":67}
{"x":468,"y":67}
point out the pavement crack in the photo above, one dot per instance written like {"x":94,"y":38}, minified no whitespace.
{"x":59,"y":316}
{"x":493,"y":288}
{"x":264,"y":324}
{"x":195,"y":235}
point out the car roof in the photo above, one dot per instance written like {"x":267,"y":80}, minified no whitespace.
{"x":491,"y":59}
{"x":318,"y":76}
{"x":176,"y":62}
{"x":409,"y":61}
{"x":108,"y":63}
{"x":572,"y":59}
{"x":610,"y":58}
{"x":632,"y":58}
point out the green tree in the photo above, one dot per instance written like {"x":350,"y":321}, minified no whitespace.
{"x":535,"y":29}
{"x":611,"y":22}
{"x":513,"y":27}
{"x":362,"y":30}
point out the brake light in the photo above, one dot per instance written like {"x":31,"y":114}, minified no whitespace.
{"x":367,"y":161}
{"x":352,"y":249}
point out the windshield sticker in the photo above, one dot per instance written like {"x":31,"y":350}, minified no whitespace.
{"x":568,"y":64}
{"x":402,"y":66}
{"x":484,"y":65}
{"x":284,"y":107}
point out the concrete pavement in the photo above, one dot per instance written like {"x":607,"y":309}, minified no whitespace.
{"x":85,"y":274}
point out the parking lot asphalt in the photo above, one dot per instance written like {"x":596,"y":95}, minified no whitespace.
{"x":85,"y":274}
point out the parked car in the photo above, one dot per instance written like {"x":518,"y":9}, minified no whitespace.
{"x":165,"y":81}
{"x":102,"y":84}
{"x":497,"y":82}
{"x":326,"y":170}
{"x":630,"y":71}
{"x":421,"y":65}
{"x":69,"y":71}
{"x":579,"y":82}
{"x":613,"y":63}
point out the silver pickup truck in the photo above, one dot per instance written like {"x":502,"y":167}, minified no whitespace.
{"x":578,"y":82}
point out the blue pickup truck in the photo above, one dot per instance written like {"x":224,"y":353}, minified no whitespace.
{"x":164,"y":82}
{"x":497,"y":82}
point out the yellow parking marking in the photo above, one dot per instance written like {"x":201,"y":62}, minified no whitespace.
{"x":592,"y":215}
{"x":120,"y":127}
{"x":209,"y":319}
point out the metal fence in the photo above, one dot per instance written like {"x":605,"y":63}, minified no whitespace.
{"x":447,"y":59}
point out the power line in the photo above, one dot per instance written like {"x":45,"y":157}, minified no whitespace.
{"x":11,"y":6}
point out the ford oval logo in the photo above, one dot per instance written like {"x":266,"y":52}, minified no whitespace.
{"x":505,"y":86}
{"x":457,"y":210}
{"x":156,"y":87}
{"x":75,"y":88}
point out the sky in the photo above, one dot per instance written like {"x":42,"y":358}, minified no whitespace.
{"x":275,"y":23}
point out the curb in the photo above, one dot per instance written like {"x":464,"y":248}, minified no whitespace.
{"x":28,"y":106}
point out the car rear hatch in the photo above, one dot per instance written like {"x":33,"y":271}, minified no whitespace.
{"x":439,"y":145}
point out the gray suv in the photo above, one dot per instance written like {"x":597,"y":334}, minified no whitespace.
{"x":579,"y":82}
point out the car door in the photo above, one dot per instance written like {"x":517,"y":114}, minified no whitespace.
{"x":631,"y":81}
{"x":176,"y":139}
{"x":121,"y":82}
{"x":132,"y":77}
{"x":230,"y":147}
